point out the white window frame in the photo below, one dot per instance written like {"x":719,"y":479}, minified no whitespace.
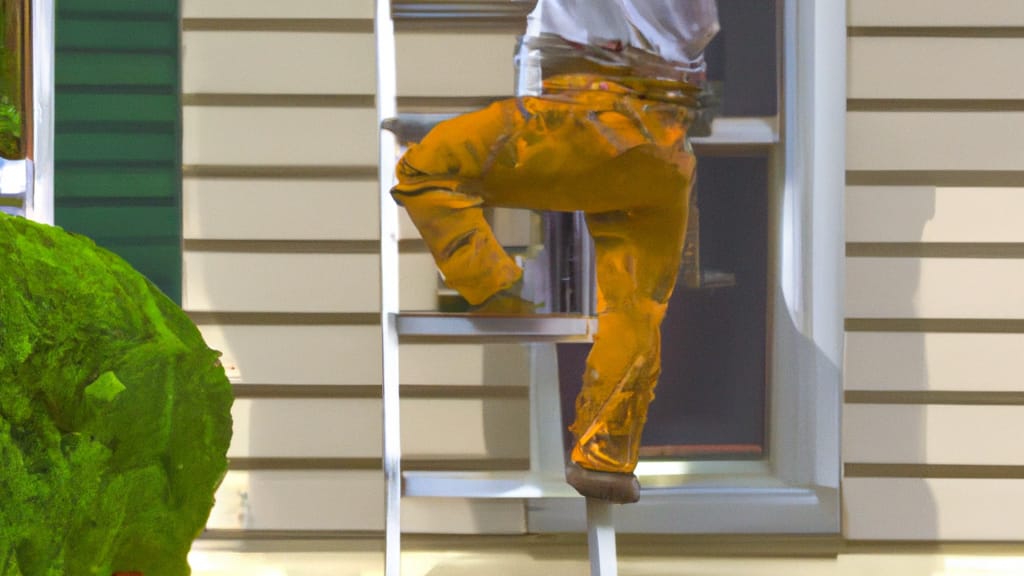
{"x":795,"y":490}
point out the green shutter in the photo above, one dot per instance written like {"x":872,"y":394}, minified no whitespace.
{"x":118,"y":131}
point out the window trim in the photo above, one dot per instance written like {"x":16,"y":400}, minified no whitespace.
{"x":795,"y":491}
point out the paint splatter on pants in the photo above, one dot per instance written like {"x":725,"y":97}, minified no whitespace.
{"x":595,"y":147}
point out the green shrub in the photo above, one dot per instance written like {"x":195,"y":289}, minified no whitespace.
{"x":114,"y":415}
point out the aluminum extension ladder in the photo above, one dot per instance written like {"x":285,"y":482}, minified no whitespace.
{"x":600,"y":526}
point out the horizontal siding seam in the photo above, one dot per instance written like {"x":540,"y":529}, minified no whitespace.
{"x":442,"y":392}
{"x":942,"y":178}
{"x":238,"y":100}
{"x":306,"y":391}
{"x":284,"y":172}
{"x":356,"y":25}
{"x":294,"y":535}
{"x":373,"y":391}
{"x":417,"y":464}
{"x":934,"y":397}
{"x":936,"y":31}
{"x":509,"y":26}
{"x":445,"y":104}
{"x":427,"y":464}
{"x":990,"y":250}
{"x":204,"y":318}
{"x":414,"y":16}
{"x":639,"y":544}
{"x":934,"y":105}
{"x":734,"y":545}
{"x":952,"y":471}
{"x":409,"y":246}
{"x":936,"y":325}
{"x":560,"y":544}
{"x":284,"y":246}
{"x":249,"y":464}
{"x":419,"y":10}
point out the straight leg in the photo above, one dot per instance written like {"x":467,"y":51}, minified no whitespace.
{"x":433,"y":185}
{"x":638,"y":252}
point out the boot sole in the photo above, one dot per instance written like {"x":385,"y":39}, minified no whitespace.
{"x":611,"y":486}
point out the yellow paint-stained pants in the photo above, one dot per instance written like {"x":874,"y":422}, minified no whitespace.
{"x":594,"y":147}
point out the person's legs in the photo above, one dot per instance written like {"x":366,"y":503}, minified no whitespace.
{"x":623,"y":164}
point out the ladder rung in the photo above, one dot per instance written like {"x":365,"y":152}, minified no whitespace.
{"x":485,"y":485}
{"x":518,"y":328}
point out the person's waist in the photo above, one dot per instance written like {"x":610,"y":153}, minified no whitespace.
{"x":670,"y":92}
{"x":553,"y":50}
{"x":549,"y":64}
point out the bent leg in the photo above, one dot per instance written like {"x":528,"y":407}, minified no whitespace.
{"x":434,"y":185}
{"x":462,"y":242}
{"x":525,"y":153}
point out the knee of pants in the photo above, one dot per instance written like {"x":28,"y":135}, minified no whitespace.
{"x":405,"y":172}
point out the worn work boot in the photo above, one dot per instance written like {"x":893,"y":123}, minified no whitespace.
{"x":612,"y":486}
{"x":602,"y":462}
{"x":607,"y":448}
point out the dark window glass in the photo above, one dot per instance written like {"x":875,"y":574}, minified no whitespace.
{"x":742,"y":58}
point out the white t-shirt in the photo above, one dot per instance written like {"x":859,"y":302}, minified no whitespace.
{"x":674,"y":30}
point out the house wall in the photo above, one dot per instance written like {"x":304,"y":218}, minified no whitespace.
{"x":934,"y":409}
{"x":280,"y":226}
{"x":281,"y":269}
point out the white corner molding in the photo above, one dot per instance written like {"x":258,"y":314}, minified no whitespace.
{"x":39,"y":196}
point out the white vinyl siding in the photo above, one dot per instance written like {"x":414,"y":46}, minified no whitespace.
{"x":354,"y":9}
{"x":934,"y":348}
{"x":922,"y":362}
{"x":935,"y":68}
{"x":912,"y":13}
{"x":934,"y":214}
{"x":926,"y":140}
{"x":445,"y":65}
{"x":934,"y":509}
